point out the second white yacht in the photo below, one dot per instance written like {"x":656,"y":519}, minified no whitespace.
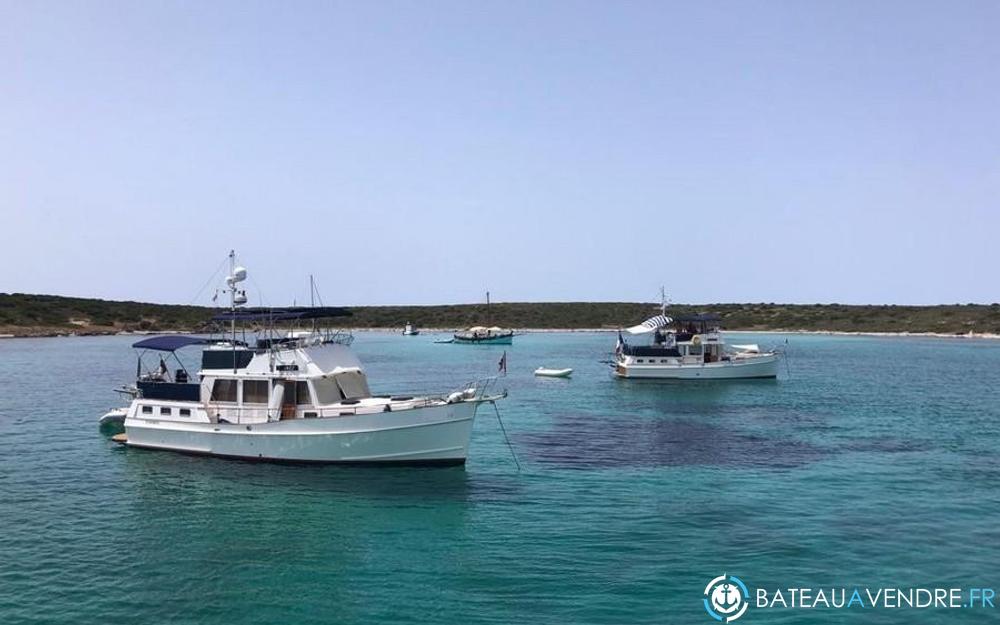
{"x":690,"y":348}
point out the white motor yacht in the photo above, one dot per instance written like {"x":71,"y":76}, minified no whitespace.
{"x":299,"y":395}
{"x":689,"y":347}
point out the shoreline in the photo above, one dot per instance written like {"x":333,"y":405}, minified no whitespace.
{"x":394,"y":330}
{"x":874,"y":333}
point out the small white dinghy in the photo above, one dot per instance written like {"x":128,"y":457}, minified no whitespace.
{"x":114,"y":418}
{"x":553,"y":373}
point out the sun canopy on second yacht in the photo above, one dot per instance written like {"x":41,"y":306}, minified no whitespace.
{"x":650,"y":325}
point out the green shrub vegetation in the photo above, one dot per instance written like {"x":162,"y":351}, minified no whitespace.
{"x":48,"y":314}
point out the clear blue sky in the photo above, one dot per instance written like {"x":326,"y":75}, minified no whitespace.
{"x":422,"y":152}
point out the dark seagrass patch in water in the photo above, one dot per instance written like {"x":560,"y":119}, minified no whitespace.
{"x":588,"y":442}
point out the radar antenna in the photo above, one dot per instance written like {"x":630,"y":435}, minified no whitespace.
{"x":237,"y":297}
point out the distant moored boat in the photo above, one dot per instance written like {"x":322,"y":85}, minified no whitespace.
{"x":482,"y":335}
{"x":690,"y":348}
{"x":545,"y":372}
{"x":485,"y":336}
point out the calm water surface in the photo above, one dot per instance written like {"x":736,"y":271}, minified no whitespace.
{"x":876,"y":463}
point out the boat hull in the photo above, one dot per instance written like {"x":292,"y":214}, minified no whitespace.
{"x":113,"y":421}
{"x":553,"y":373}
{"x":492,"y":340}
{"x":758,"y":367}
{"x":428,"y":435}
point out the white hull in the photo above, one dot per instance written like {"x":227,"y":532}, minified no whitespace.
{"x":434,"y":434}
{"x":765,"y":366}
{"x":113,"y":417}
{"x":553,"y":373}
{"x":503,"y":339}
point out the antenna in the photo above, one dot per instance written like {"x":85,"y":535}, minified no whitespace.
{"x":236,"y":297}
{"x":231,"y":283}
{"x":312,"y":300}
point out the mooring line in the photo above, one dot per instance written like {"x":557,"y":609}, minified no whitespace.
{"x":788,"y":367}
{"x":504,"y":430}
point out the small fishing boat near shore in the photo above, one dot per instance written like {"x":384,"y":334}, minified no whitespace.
{"x":298,"y":395}
{"x":482,"y":335}
{"x":485,"y":336}
{"x":689,"y":347}
{"x":409,"y":330}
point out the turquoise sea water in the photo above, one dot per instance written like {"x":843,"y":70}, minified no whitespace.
{"x":877,"y":463}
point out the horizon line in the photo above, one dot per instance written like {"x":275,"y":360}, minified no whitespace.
{"x":425,"y":305}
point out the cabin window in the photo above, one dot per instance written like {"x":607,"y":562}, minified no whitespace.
{"x":185,"y":412}
{"x":165,"y":411}
{"x":147,"y":410}
{"x":327,"y":391}
{"x":302,"y":394}
{"x":640,"y":360}
{"x":353,"y":385}
{"x":224,"y":390}
{"x":255,"y":391}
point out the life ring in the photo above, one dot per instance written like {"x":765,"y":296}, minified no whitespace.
{"x":696,"y":340}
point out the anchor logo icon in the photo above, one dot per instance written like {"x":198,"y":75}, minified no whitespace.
{"x":726,"y":598}
{"x":730,"y":597}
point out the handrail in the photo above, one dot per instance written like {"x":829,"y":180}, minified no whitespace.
{"x":472,"y":391}
{"x":241,"y":413}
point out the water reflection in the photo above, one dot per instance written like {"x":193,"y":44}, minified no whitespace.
{"x":161,"y":473}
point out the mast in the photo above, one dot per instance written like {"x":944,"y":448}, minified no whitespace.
{"x":312,"y":301}
{"x":232,"y":301}
{"x":487,"y":308}
{"x":663,"y":301}
{"x":236,"y":297}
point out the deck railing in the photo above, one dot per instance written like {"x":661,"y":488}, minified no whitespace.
{"x":477,"y":390}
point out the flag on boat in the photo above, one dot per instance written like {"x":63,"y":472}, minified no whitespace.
{"x":620,"y":345}
{"x":650,"y":325}
{"x":502,"y":368}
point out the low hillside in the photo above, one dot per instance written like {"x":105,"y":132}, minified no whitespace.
{"x":22,"y":314}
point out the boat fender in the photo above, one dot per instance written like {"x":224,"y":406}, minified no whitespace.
{"x":697,"y":339}
{"x":469,"y":393}
{"x":455,"y":397}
